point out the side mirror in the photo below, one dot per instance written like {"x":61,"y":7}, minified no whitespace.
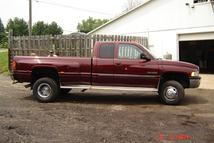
{"x":144,"y":57}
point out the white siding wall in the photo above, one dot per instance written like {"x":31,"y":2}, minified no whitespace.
{"x":162,"y":21}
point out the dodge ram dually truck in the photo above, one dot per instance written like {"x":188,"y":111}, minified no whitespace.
{"x":122,"y":66}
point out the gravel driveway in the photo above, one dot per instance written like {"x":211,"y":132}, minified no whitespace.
{"x":105,"y":117}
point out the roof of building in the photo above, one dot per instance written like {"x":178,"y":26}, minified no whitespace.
{"x":120,"y":16}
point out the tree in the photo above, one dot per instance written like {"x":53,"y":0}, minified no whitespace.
{"x":132,"y":4}
{"x":3,"y":37}
{"x":54,"y":29}
{"x":41,"y":28}
{"x":2,"y":32}
{"x":90,"y":24}
{"x":19,"y":27}
{"x":1,"y":26}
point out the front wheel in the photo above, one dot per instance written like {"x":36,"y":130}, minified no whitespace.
{"x":45,"y":89}
{"x":171,"y":92}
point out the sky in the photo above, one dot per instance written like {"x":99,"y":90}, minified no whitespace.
{"x":67,"y":13}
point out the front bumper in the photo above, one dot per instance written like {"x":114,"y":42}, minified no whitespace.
{"x":194,"y":82}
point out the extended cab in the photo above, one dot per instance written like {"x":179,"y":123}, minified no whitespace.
{"x":113,"y":66}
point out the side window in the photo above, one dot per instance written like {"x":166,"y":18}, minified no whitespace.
{"x":128,"y":51}
{"x":106,"y":51}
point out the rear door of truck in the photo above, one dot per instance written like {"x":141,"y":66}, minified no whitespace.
{"x":103,"y":64}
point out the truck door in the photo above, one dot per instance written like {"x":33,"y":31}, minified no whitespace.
{"x":131,"y":70}
{"x":103,"y":64}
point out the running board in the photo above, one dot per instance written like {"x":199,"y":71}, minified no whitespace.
{"x":88,"y":87}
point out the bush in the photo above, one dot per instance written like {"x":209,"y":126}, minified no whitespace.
{"x":4,"y":45}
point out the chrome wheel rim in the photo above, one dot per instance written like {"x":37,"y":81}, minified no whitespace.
{"x":44,"y":90}
{"x":171,"y":93}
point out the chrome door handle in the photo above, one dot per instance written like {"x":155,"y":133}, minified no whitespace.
{"x":119,"y":64}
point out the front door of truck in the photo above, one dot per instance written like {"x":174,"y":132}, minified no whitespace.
{"x":131,"y":70}
{"x":103,"y":65}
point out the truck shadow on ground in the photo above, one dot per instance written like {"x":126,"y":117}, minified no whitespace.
{"x":122,"y":99}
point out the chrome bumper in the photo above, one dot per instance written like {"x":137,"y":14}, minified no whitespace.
{"x":194,"y":82}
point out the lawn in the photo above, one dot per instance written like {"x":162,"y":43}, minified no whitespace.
{"x":4,"y":62}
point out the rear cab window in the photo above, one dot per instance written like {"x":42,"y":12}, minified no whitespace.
{"x":106,"y":51}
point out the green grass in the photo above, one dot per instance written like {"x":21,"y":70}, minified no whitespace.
{"x":4,"y":62}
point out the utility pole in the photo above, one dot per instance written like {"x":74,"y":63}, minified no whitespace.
{"x":30,"y":17}
{"x":30,"y":24}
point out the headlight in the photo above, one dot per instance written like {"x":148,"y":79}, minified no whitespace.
{"x":195,"y":73}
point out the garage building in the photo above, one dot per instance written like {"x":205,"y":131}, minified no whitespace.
{"x":180,"y":29}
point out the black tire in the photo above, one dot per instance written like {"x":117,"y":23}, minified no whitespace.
{"x":171,"y":92}
{"x":64,"y":91}
{"x":45,"y":90}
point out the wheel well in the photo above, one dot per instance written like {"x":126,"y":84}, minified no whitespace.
{"x":44,"y":72}
{"x":179,"y":77}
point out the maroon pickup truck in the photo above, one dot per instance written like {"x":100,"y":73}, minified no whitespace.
{"x":122,"y":66}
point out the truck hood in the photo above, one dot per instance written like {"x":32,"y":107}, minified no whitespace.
{"x":178,"y":63}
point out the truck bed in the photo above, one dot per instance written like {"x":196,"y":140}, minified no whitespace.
{"x":73,"y":69}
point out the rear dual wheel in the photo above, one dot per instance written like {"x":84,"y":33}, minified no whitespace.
{"x":46,"y":90}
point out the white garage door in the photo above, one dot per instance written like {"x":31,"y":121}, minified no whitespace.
{"x":196,"y":36}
